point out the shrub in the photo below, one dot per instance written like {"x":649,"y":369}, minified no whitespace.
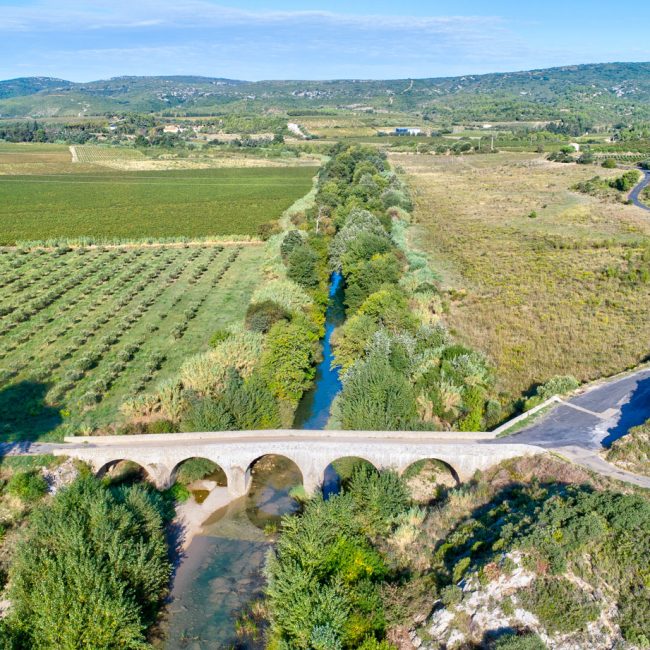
{"x":626,"y":182}
{"x":560,"y":606}
{"x":451,"y":595}
{"x":514,"y":641}
{"x":207,"y":414}
{"x":161,"y":426}
{"x":376,"y":397}
{"x":558,"y":385}
{"x":292,"y":239}
{"x":609,"y":163}
{"x":91,"y":570}
{"x":218,"y":337}
{"x":195,"y":469}
{"x":351,"y":340}
{"x":261,"y":316}
{"x":302,"y":266}
{"x":287,"y":359}
{"x":28,"y":486}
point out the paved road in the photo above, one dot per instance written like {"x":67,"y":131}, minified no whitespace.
{"x":636,"y":192}
{"x":583,"y":426}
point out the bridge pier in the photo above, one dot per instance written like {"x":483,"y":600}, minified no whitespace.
{"x":312,"y":481}
{"x":238,"y":481}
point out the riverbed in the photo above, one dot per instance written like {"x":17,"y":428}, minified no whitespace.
{"x":221,"y":571}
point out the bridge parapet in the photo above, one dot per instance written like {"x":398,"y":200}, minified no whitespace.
{"x":237,"y":452}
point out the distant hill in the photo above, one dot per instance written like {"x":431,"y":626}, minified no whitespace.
{"x":606,"y":92}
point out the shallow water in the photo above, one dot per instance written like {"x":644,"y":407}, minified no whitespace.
{"x":221,"y":572}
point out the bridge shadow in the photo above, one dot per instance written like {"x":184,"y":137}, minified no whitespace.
{"x":25,"y":416}
{"x":635,"y":412}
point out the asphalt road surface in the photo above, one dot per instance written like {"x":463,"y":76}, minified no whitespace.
{"x":594,"y":419}
{"x":636,"y":192}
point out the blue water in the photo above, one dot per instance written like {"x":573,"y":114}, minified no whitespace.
{"x":223,"y":568}
{"x":314,"y":409}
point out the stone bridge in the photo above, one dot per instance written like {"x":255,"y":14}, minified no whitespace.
{"x":312,"y":451}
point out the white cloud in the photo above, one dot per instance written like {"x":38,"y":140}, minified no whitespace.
{"x":75,"y":14}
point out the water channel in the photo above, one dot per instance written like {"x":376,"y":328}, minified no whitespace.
{"x":221,"y":571}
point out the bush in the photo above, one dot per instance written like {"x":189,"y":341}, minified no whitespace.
{"x":293,"y":239}
{"x":514,"y":641}
{"x":161,"y":426}
{"x":560,"y":606}
{"x":286,"y":363}
{"x":626,"y":182}
{"x":323,"y":575}
{"x":195,"y":469}
{"x":28,"y":486}
{"x":609,"y":163}
{"x":219,"y":337}
{"x":207,"y":414}
{"x":376,"y":397}
{"x":558,"y":385}
{"x":302,"y":266}
{"x":261,"y":316}
{"x":91,"y":570}
{"x":451,"y":595}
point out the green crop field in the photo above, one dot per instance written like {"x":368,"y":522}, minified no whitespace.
{"x":81,"y":330}
{"x":111,"y":205}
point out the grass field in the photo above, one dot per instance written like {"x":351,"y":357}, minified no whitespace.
{"x":113,"y":205}
{"x":80,"y":331}
{"x":537,"y":298}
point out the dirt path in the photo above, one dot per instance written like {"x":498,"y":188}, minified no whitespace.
{"x":73,"y":153}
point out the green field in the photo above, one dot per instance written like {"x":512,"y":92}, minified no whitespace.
{"x":111,"y":205}
{"x":82,"y":330}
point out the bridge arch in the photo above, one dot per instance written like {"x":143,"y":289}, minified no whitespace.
{"x":125,"y":469}
{"x":195,"y":468}
{"x":426,"y":476}
{"x":291,"y":463}
{"x":340,"y":470}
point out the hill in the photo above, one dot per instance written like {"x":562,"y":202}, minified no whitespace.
{"x":603,"y":92}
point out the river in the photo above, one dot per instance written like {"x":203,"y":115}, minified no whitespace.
{"x":221,"y":572}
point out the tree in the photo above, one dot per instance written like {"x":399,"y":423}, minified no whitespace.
{"x":302,"y":266}
{"x":287,"y":359}
{"x":376,"y":397}
{"x":92,"y":569}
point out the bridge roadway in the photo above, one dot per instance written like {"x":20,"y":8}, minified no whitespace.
{"x":312,"y":451}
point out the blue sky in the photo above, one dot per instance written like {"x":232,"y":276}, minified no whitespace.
{"x":82,"y":40}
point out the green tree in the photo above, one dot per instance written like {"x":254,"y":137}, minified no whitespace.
{"x":91,"y":570}
{"x":287,"y":360}
{"x":376,"y":397}
{"x":302,"y":266}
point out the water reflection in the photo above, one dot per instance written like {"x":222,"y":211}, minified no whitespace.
{"x":222,"y":571}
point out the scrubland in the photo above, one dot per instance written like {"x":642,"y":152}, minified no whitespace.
{"x":546,"y":281}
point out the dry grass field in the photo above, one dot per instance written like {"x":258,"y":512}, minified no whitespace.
{"x":533,"y":292}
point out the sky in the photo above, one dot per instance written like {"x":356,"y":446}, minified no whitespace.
{"x":84,"y":40}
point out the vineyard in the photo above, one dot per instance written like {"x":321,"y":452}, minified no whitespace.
{"x":88,"y":153}
{"x":113,"y":206}
{"x":82,"y":329}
